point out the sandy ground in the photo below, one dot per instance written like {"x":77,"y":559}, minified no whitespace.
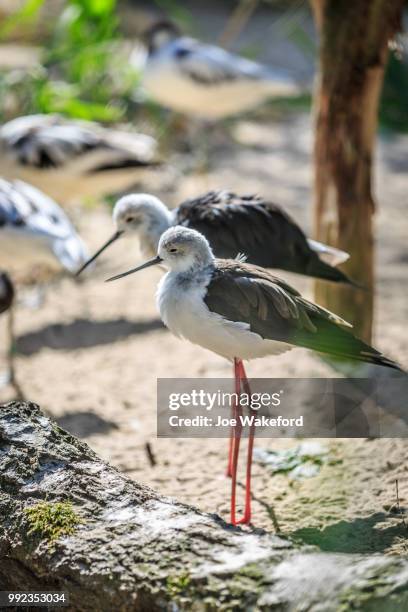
{"x":92,"y":353}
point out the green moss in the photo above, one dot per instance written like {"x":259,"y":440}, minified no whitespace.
{"x":252,"y":571}
{"x":52,"y":520}
{"x":376,"y":595}
{"x":176,"y":585}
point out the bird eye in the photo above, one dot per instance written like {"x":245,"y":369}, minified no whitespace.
{"x":130,"y":219}
{"x":172,"y":250}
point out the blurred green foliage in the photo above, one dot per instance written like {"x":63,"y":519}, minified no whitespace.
{"x":26,"y":14}
{"x":86,"y":72}
{"x":394,"y":98}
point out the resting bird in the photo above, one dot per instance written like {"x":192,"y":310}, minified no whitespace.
{"x":233,"y":224}
{"x":203,"y":80}
{"x":70,"y":159}
{"x":34,"y":230}
{"x":240,"y":311}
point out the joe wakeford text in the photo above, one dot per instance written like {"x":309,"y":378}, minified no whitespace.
{"x":214,"y":400}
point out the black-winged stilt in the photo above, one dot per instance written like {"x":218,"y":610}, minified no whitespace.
{"x":233,"y":224}
{"x":204,"y":80}
{"x":69,"y":159}
{"x":33,"y":230}
{"x":241,"y":311}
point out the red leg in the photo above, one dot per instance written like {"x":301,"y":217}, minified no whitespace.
{"x":247,"y":512}
{"x":237,"y":386}
{"x":236,"y":437}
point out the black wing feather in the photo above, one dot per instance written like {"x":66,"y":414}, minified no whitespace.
{"x":261,"y":230}
{"x":274,"y":310}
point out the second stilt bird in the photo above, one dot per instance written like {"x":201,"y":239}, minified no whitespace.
{"x":233,"y":224}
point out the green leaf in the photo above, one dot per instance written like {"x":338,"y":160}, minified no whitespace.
{"x":28,"y":12}
{"x":98,"y":8}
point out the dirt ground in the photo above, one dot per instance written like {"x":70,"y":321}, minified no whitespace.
{"x":91,"y":355}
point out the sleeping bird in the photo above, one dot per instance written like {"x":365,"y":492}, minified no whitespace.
{"x":70,"y":159}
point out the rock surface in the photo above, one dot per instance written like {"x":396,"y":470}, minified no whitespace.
{"x":135,"y":550}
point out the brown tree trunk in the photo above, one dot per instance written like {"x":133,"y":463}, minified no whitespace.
{"x":353,"y":52}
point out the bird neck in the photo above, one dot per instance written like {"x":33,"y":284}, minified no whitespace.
{"x":157,"y":225}
{"x":197,"y":273}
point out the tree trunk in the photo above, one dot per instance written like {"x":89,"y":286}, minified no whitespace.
{"x":132,"y":550}
{"x":353,"y":52}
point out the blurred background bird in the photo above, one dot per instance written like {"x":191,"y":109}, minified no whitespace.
{"x":71,"y":159}
{"x":33,"y":230}
{"x":206,"y":81}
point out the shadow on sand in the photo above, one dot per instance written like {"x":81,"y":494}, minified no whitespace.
{"x":84,"y":424}
{"x":83,"y":333}
{"x":359,"y":536}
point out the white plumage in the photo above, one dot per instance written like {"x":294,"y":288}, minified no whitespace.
{"x":34,"y":229}
{"x":188,"y":317}
{"x":180,"y":301}
{"x":327,"y":253}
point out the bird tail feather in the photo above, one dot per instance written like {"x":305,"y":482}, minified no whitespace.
{"x":338,"y":341}
{"x":320,"y":269}
{"x":328,"y":254}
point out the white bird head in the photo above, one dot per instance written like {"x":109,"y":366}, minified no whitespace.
{"x":139,"y":214}
{"x":182,"y":250}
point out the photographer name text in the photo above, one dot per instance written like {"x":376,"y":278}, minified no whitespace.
{"x":250,"y":420}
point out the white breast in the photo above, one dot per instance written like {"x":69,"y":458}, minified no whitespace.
{"x":184,"y":312}
{"x":20,"y":248}
{"x":171,"y":88}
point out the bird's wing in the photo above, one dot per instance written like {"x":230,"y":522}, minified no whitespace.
{"x":25,"y":208}
{"x":43,"y":141}
{"x":122,"y":149}
{"x":51,"y":142}
{"x":248,"y":224}
{"x":274,"y":310}
{"x":257,"y":228}
{"x":211,"y":65}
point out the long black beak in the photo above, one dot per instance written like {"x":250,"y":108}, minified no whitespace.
{"x":111,"y":240}
{"x":151,"y":262}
